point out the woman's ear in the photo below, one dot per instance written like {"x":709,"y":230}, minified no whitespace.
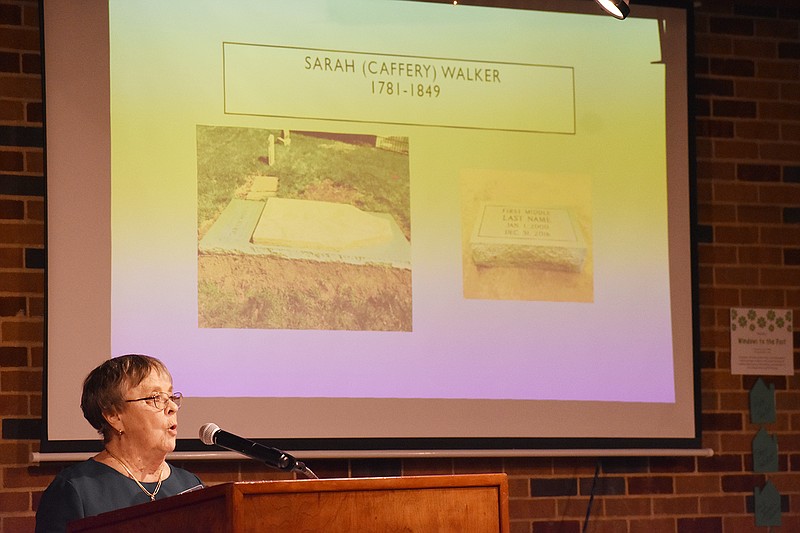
{"x":115,"y":421}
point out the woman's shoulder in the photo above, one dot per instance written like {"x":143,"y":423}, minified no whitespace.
{"x":87,"y":468}
{"x":183,"y":477}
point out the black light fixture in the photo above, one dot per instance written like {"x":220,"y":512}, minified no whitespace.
{"x":617,"y":8}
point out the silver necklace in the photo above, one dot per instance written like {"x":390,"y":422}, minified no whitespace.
{"x":152,"y":495}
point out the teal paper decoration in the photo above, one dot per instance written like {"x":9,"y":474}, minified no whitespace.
{"x":768,"y":505}
{"x":765,"y":452}
{"x":762,"y":403}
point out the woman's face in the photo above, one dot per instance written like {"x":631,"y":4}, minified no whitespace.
{"x":146,"y":427}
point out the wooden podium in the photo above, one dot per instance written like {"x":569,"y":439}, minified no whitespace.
{"x":459,"y":503}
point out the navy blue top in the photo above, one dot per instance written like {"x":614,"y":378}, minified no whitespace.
{"x":90,"y":488}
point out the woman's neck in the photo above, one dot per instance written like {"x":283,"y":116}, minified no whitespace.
{"x":147,"y":468}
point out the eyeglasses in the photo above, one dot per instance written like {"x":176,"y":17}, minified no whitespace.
{"x":159,"y":399}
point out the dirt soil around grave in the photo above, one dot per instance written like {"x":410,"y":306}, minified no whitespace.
{"x":243,"y":291}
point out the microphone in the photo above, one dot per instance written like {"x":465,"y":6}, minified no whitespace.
{"x":212,"y":434}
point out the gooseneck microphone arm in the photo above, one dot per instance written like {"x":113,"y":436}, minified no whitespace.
{"x":212,"y":434}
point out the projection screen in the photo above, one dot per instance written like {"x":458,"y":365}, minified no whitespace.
{"x":375,"y":225}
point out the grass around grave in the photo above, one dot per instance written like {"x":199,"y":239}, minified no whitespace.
{"x":309,"y":168}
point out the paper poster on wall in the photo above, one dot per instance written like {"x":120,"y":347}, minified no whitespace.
{"x":761,"y":341}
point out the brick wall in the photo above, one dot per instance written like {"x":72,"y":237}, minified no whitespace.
{"x":748,"y":159}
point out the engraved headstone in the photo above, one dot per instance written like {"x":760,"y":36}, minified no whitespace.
{"x":527,"y":236}
{"x":319,"y":225}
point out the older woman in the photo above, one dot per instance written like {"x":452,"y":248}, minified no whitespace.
{"x":130,"y":401}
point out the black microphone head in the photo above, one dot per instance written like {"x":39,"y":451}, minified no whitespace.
{"x":207,"y":432}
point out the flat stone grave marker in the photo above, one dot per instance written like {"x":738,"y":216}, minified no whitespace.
{"x":319,"y":225}
{"x":527,"y":236}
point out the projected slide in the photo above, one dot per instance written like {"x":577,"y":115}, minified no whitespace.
{"x":367,"y":192}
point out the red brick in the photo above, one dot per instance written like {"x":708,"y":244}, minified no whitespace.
{"x":708,"y":44}
{"x":722,"y":505}
{"x":517,"y":487}
{"x":650,"y":485}
{"x":753,"y":48}
{"x":758,"y":89}
{"x":760,"y":172}
{"x":18,"y":523}
{"x":11,"y":111}
{"x":34,"y":162}
{"x":13,"y":404}
{"x":735,"y":149}
{"x":716,"y":170}
{"x":736,"y":275}
{"x":742,"y":483}
{"x":13,"y":453}
{"x":559,"y":526}
{"x":708,"y":214}
{"x":777,"y":70}
{"x":720,"y":463}
{"x":35,"y":210}
{"x":477,"y":465}
{"x":776,"y":28}
{"x":758,"y":130}
{"x":31,"y":64}
{"x":21,"y":380}
{"x":734,"y":401}
{"x":10,"y":15}
{"x":652,"y":525}
{"x":540,"y":508}
{"x":737,"y":192}
{"x":783,"y":235}
{"x":779,"y":151}
{"x":27,"y":477}
{"x":733,"y":108}
{"x":731,"y":26}
{"x":675,"y":505}
{"x":731,"y":67}
{"x":736,"y":234}
{"x":627,"y":506}
{"x":779,"y":194}
{"x":572,"y":507}
{"x":520,"y":526}
{"x":30,"y":16}
{"x":712,"y":253}
{"x":602,"y":525}
{"x":11,"y":356}
{"x":11,"y":233}
{"x":22,"y":282}
{"x":36,"y":404}
{"x":35,"y":307}
{"x":534,"y":466}
{"x":698,"y":484}
{"x":759,"y":255}
{"x":37,"y":357}
{"x":722,"y":421}
{"x":18,"y":331}
{"x":762,"y":298}
{"x":20,"y":87}
{"x":11,"y":161}
{"x":700,"y":525}
{"x":15,"y":502}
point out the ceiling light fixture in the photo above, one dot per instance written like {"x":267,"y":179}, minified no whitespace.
{"x":616,"y":8}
